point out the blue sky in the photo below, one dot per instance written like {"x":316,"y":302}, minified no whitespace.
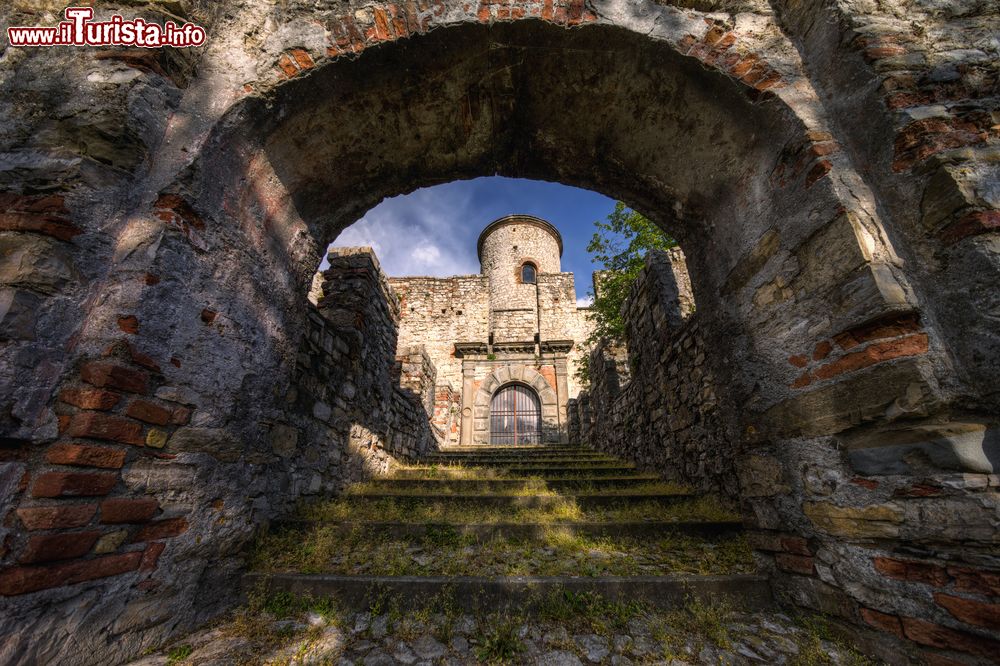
{"x":433,"y":231}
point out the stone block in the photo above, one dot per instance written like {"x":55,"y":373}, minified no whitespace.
{"x":284,"y":440}
{"x":18,"y":310}
{"x":969,"y":446}
{"x":215,"y":442}
{"x":874,"y":521}
{"x":33,"y":262}
{"x":761,"y":476}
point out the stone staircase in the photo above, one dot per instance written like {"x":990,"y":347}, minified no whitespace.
{"x":507,"y":527}
{"x":552,"y":556}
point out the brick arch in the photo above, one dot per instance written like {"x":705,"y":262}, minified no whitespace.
{"x":715,"y":137}
{"x":516,"y":374}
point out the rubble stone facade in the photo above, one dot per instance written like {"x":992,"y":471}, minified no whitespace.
{"x":829,"y":168}
{"x":484,"y":332}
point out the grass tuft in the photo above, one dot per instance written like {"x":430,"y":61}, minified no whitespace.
{"x":499,"y":643}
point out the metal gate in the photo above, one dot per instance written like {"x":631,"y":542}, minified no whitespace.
{"x":515,"y":416}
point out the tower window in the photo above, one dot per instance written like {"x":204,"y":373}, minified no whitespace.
{"x":528,"y":273}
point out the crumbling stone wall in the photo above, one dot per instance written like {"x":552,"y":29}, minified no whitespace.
{"x":656,"y":404}
{"x":829,"y":168}
{"x":355,"y":405}
{"x":438,"y":312}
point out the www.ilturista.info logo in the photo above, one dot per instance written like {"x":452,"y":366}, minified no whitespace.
{"x":79,"y":30}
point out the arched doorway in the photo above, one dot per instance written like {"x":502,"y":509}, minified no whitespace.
{"x":515,"y":416}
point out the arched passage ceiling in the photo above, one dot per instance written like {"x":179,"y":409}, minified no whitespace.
{"x":598,"y":107}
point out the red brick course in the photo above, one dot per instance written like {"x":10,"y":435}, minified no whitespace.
{"x":127,"y":510}
{"x":22,"y":580}
{"x":89,"y":398}
{"x":108,"y":427}
{"x":66,"y":453}
{"x":51,"y":547}
{"x":912,"y":570}
{"x":162,"y":529}
{"x":104,"y":374}
{"x":54,"y":517}
{"x":73,"y":484}
{"x":970,"y":611}
{"x":149,"y":412}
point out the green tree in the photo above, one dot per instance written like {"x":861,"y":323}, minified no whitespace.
{"x":619,"y":247}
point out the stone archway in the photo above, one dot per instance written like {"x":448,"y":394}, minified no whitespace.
{"x":552,"y":429}
{"x":710,"y":126}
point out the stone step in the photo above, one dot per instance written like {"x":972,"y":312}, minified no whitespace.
{"x":540,"y":471}
{"x":514,"y":484}
{"x":532,"y":464}
{"x":523,"y":593}
{"x":524,"y":501}
{"x":527,"y":448}
{"x":504,"y":462}
{"x":512,"y":451}
{"x":484,"y":531}
{"x":436,"y":458}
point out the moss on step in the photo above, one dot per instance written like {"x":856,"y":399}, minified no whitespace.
{"x":446,"y":552}
{"x":448,"y":511}
{"x":531,"y":487}
{"x":279,"y":628}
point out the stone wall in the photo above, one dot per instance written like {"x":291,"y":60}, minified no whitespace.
{"x":829,"y":168}
{"x":438,"y":312}
{"x":656,"y":405}
{"x":341,"y":418}
{"x":415,"y":373}
{"x":447,"y":419}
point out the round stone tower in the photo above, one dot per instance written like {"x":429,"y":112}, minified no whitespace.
{"x":514,"y":252}
{"x":506,"y":244}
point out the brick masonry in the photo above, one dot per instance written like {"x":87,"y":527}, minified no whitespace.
{"x":827,"y":167}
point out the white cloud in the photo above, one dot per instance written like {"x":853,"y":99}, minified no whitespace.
{"x":585,"y":302}
{"x":431,"y":231}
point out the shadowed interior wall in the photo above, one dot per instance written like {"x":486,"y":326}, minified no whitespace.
{"x":163,"y":216}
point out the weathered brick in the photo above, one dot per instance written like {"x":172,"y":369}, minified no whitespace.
{"x":72,"y":484}
{"x":151,"y":555}
{"x":106,"y":374}
{"x":800,"y":564}
{"x":52,"y":547}
{"x":145,"y":360}
{"x":42,"y":224}
{"x":879,"y":352}
{"x":882,"y":621}
{"x":128,"y":510}
{"x":977,"y":581}
{"x":912,"y":570}
{"x":149,"y":412}
{"x":55,"y":517}
{"x":892,"y":327}
{"x":970,"y":611}
{"x":972,"y":224}
{"x":22,"y":580}
{"x":128,"y":324}
{"x":935,"y":635}
{"x":181,"y":416}
{"x":162,"y":529}
{"x":97,"y":425}
{"x":67,"y":453}
{"x":89,"y":398}
{"x":799,"y":361}
{"x":818,"y":170}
